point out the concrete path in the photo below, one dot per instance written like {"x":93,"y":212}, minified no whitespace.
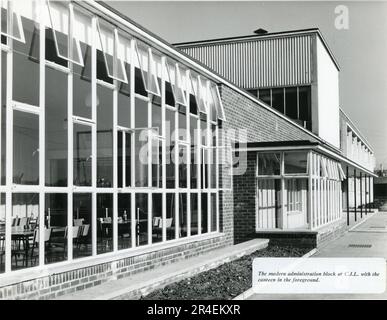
{"x":132,"y":287}
{"x":372,"y":234}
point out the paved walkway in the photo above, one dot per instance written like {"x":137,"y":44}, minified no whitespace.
{"x":372,"y":233}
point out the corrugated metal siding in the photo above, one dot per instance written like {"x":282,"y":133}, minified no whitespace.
{"x":259,"y":63}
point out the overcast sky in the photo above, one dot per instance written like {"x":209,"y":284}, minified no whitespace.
{"x":361,"y":50}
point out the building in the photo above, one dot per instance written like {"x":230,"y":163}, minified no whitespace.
{"x":296,"y":74}
{"x":124,"y":154}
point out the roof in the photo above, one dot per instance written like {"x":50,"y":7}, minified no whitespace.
{"x":254,"y":37}
{"x":194,"y":64}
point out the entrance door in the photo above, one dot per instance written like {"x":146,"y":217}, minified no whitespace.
{"x":268,"y":204}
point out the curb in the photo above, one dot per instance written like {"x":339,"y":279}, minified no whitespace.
{"x":249,"y":292}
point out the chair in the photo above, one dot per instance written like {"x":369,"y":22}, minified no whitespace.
{"x":78,"y":222}
{"x":15,"y":222}
{"x":83,"y":235}
{"x":24,"y":222}
{"x":35,"y":244}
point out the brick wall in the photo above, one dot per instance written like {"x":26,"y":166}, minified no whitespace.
{"x":57,"y":284}
{"x":262,"y":126}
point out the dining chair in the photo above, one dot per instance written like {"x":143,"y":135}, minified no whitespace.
{"x":35,"y":244}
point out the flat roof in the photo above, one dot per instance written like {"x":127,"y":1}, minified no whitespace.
{"x":254,"y":37}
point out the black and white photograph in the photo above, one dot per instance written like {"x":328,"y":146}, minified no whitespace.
{"x":169,"y":151}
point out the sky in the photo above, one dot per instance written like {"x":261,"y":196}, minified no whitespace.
{"x":360,"y":49}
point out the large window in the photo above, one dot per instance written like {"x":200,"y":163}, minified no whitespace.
{"x":295,"y":102}
{"x":117,"y":131}
{"x":269,"y":164}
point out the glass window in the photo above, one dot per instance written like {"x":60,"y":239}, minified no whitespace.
{"x":25,"y":148}
{"x":141,"y":219}
{"x":296,"y":162}
{"x":194,"y":152}
{"x":204,"y":164}
{"x":141,"y":75}
{"x":156,"y":115}
{"x":169,"y":97}
{"x":26,"y":65}
{"x":183,"y":165}
{"x":176,"y":81}
{"x":153,"y":84}
{"x":305,"y":106}
{"x":56,"y":128}
{"x":269,"y":164}
{"x":104,"y":137}
{"x":254,"y":92}
{"x":278,"y":99}
{"x":194,"y":214}
{"x":214,"y":217}
{"x":82,"y":219}
{"x":25,"y":230}
{"x":124,"y":159}
{"x":56,"y":225}
{"x":182,"y":123}
{"x":124,"y":221}
{"x":157,"y":219}
{"x":170,"y":148}
{"x":170,"y":215}
{"x":108,"y":41}
{"x":82,"y":85}
{"x":204,"y":207}
{"x":193,"y":106}
{"x":3,"y":132}
{"x":265,"y":96}
{"x":291,"y":102}
{"x":183,"y":215}
{"x":156,"y":162}
{"x":82,"y":155}
{"x":141,"y":113}
{"x":124,"y":110}
{"x":59,"y":15}
{"x":104,"y":222}
{"x":15,"y":31}
{"x":2,"y":232}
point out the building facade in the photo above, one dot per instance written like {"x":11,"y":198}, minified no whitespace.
{"x":120,"y":153}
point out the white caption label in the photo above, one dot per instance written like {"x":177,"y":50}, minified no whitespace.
{"x":319,"y":275}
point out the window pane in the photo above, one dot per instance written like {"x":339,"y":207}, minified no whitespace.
{"x":141,"y":219}
{"x":139,"y":86}
{"x":214,"y":217}
{"x":124,"y":150}
{"x":104,"y":223}
{"x":124,"y":221}
{"x":296,"y":162}
{"x":26,"y":65}
{"x":141,"y":114}
{"x":123,"y":110}
{"x":182,"y":123}
{"x":156,"y":163}
{"x":82,"y":85}
{"x":82,"y":218}
{"x":269,"y":164}
{"x":170,"y":148}
{"x":170,"y":214}
{"x":56,"y":227}
{"x":104,"y":137}
{"x":305,"y":106}
{"x":194,"y":214}
{"x":183,"y":215}
{"x":193,"y":104}
{"x":204,"y":206}
{"x":156,"y":115}
{"x":157,"y":220}
{"x":51,"y":52}
{"x":278,"y":99}
{"x":291,"y":102}
{"x":25,"y":148}
{"x":56,"y":128}
{"x":183,"y":165}
{"x":2,"y":232}
{"x":265,"y":96}
{"x":82,"y":155}
{"x":169,"y":97}
{"x":25,"y":246}
{"x":204,"y":167}
{"x":194,"y":152}
{"x":141,"y":158}
{"x":102,"y":72}
{"x":254,"y":92}
{"x":3,"y":117}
